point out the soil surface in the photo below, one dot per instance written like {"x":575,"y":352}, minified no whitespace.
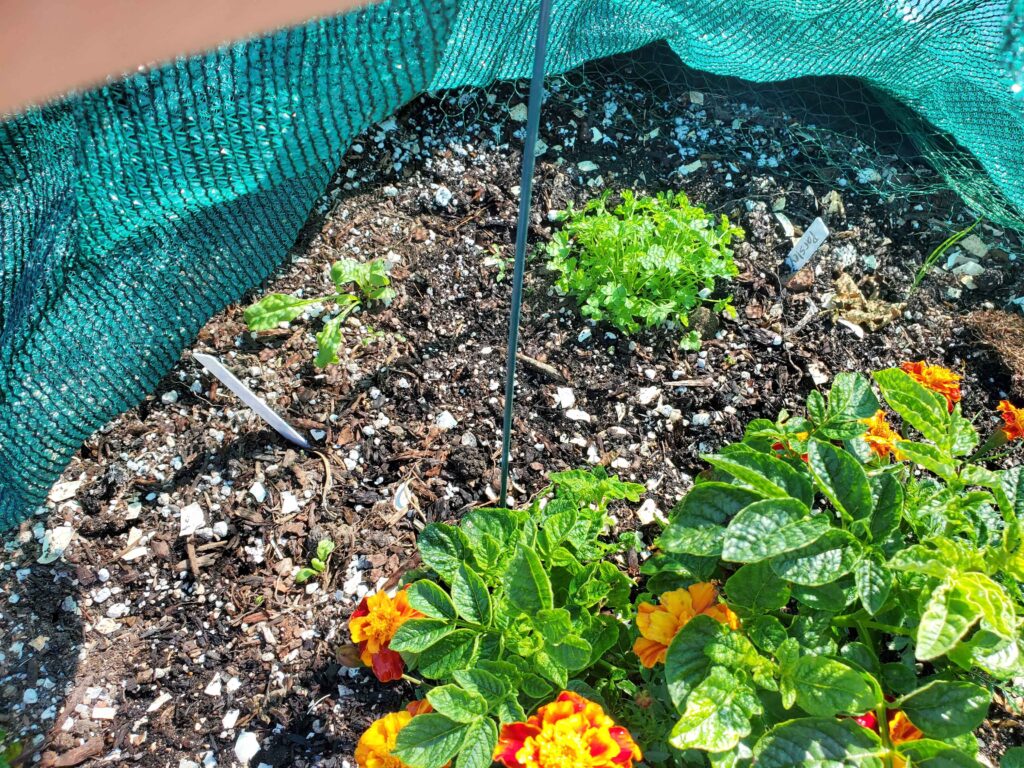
{"x":145,"y":646}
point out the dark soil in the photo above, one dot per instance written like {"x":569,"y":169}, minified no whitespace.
{"x":139,"y":643}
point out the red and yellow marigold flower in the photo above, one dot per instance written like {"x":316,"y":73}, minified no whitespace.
{"x":937,"y":379}
{"x":372,"y":626}
{"x":570,"y":731}
{"x":901,"y":730}
{"x":374,"y":747}
{"x":1013,"y":420}
{"x":881,"y":437}
{"x":658,"y":624}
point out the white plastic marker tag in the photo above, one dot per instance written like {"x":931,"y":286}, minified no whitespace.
{"x":807,"y":246}
{"x":283,"y":428}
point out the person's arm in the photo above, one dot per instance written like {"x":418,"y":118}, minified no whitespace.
{"x":48,"y":47}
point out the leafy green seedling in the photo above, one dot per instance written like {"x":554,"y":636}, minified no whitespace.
{"x":372,"y":283}
{"x":646,"y":262}
{"x":318,"y":564}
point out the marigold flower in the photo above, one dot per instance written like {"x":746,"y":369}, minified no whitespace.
{"x":658,"y":624}
{"x":937,"y":379}
{"x":372,"y":626}
{"x":570,"y":731}
{"x":881,"y":437}
{"x":1013,"y":419}
{"x":420,"y":707}
{"x":374,"y":747}
{"x":901,"y":730}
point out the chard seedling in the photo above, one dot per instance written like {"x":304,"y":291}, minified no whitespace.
{"x":372,"y":283}
{"x":318,"y":564}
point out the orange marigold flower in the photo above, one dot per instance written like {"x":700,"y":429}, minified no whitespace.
{"x":420,"y":707}
{"x":901,"y":730}
{"x":1013,"y":419}
{"x":374,"y":747}
{"x":570,"y":731}
{"x":658,"y":624}
{"x":372,"y":626}
{"x":881,"y":437}
{"x":937,"y":379}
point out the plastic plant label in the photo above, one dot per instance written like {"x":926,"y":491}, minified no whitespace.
{"x":807,"y":246}
{"x":251,"y":399}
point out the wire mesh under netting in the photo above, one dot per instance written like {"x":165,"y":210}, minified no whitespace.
{"x":834,"y":132}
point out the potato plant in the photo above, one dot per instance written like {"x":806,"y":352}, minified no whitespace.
{"x":833,"y":591}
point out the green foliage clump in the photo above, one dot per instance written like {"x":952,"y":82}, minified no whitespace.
{"x":864,"y":586}
{"x":867,"y":580}
{"x":372,"y":283}
{"x":517,"y":603}
{"x":645,"y":262}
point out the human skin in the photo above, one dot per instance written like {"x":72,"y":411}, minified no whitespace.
{"x":51,"y":47}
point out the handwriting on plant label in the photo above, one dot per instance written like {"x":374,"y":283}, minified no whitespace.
{"x":807,"y":246}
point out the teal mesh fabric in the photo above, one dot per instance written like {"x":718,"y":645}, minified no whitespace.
{"x":130,"y":215}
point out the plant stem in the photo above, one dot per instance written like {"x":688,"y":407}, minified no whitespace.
{"x":882,"y":716}
{"x":851,"y":621}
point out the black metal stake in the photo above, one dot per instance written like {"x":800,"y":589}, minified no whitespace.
{"x":525,"y":200}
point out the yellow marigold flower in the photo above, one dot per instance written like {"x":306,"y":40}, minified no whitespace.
{"x":1013,"y":419}
{"x":374,"y":747}
{"x":901,"y":730}
{"x":937,"y":379}
{"x":372,"y":626}
{"x":881,"y":437}
{"x":570,"y":732}
{"x":658,"y":624}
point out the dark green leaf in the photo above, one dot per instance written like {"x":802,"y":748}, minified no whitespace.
{"x":416,"y":635}
{"x":698,"y":525}
{"x":764,"y":474}
{"x":328,"y":339}
{"x":827,"y":559}
{"x":927,"y":753}
{"x":536,"y":687}
{"x":1013,"y":758}
{"x":944,"y":709}
{"x":274,"y":309}
{"x":527,"y":585}
{"x":478,"y":746}
{"x":455,"y":651}
{"x":887,"y":495}
{"x":819,"y":742}
{"x":553,"y":623}
{"x":510,"y":711}
{"x":483,"y":683}
{"x":874,"y":581}
{"x":430,"y":740}
{"x":841,"y":478}
{"x":923,"y":409}
{"x":756,"y":589}
{"x":717,"y":714}
{"x":826,"y":687}
{"x":573,"y":653}
{"x":430,"y":600}
{"x":771,"y":527}
{"x":457,"y":704}
{"x":703,"y":643}
{"x":444,"y":548}
{"x":766,"y":632}
{"x":470,"y":596}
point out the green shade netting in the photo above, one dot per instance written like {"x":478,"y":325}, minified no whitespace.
{"x":133,"y":213}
